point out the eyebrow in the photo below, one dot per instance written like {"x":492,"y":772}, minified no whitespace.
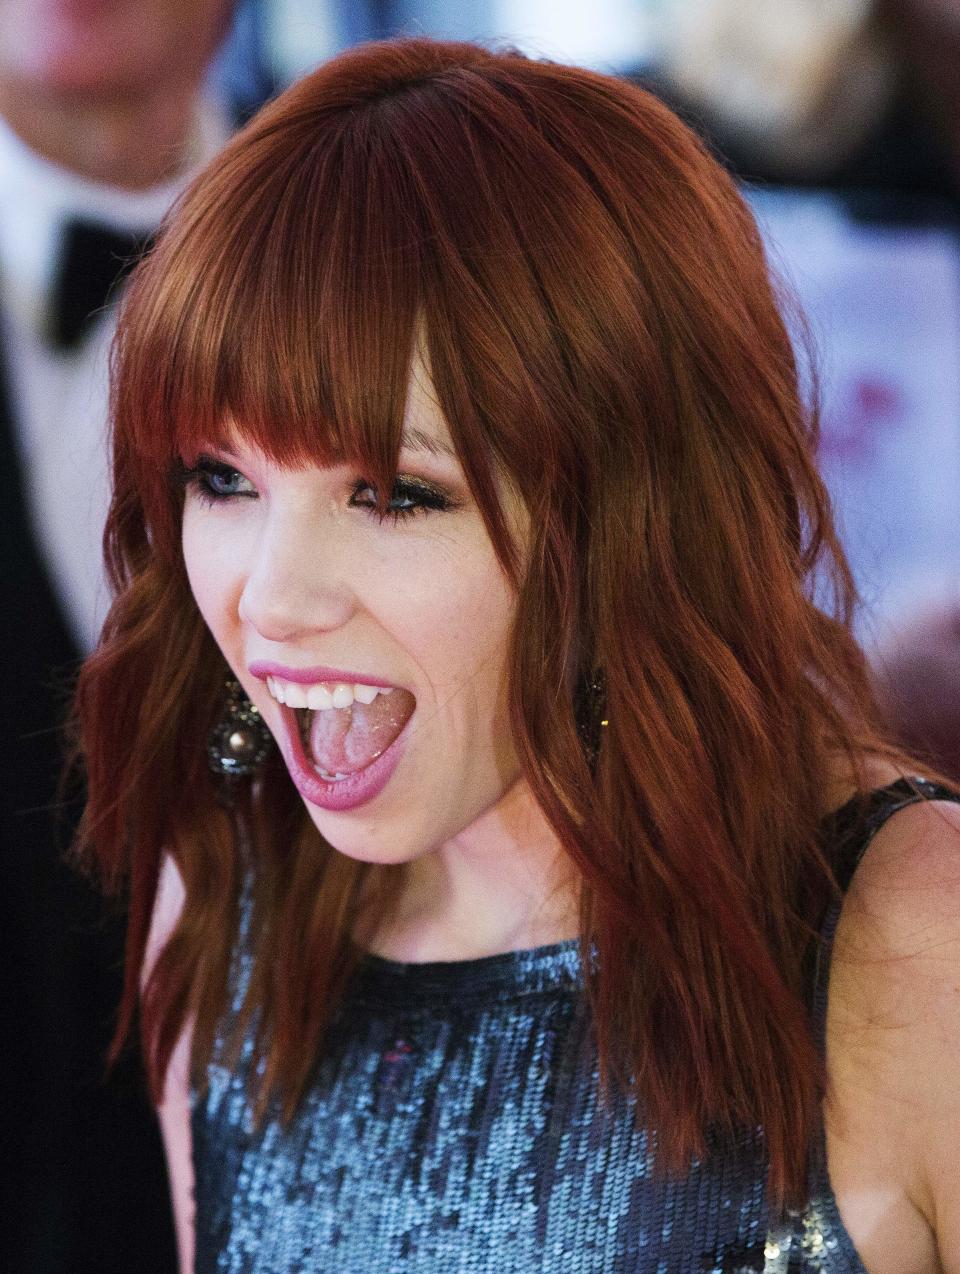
{"x":220,"y":445}
{"x":417,"y":440}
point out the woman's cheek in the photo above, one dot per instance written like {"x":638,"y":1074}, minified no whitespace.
{"x":214,"y":569}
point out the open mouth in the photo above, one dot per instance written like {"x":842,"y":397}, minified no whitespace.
{"x":344,"y":727}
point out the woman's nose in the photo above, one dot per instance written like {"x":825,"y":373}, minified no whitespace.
{"x":295,"y":587}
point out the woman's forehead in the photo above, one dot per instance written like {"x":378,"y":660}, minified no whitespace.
{"x":425,"y":427}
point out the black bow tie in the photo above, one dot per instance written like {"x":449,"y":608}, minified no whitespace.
{"x":94,"y":260}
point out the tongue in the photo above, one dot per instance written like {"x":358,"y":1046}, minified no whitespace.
{"x":345,"y":740}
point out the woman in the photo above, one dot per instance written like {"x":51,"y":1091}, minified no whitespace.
{"x":459,"y":449}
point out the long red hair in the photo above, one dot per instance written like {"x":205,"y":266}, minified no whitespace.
{"x":602,"y":330}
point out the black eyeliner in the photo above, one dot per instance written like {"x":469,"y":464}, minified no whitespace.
{"x":426,"y":498}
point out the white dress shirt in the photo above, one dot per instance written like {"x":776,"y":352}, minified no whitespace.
{"x":60,"y":397}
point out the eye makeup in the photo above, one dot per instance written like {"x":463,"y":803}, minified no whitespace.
{"x":214,"y":481}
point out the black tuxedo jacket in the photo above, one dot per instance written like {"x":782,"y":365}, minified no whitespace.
{"x":84,"y":1186}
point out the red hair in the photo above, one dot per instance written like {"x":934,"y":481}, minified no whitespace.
{"x":601,"y":329}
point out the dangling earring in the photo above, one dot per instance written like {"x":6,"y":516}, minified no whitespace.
{"x":240,"y":740}
{"x":590,"y":714}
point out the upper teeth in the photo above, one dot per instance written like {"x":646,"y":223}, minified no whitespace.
{"x":326,"y":694}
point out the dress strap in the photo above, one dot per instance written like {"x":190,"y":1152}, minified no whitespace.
{"x":848,"y":831}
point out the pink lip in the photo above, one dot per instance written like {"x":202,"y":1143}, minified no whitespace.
{"x":348,"y":793}
{"x":311,"y":676}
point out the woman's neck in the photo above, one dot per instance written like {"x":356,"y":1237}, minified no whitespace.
{"x":503,"y":884}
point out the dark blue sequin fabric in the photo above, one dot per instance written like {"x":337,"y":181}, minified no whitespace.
{"x":454,"y":1126}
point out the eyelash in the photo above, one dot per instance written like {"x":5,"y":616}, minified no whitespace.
{"x":424,"y":498}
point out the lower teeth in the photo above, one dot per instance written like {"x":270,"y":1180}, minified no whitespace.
{"x":331,"y":778}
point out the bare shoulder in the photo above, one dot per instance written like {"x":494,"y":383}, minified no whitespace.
{"x":902,"y":904}
{"x":893,"y":1044}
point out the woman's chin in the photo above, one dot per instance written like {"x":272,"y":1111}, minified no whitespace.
{"x":381,"y":843}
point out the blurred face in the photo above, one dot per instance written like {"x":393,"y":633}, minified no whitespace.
{"x":108,"y":48}
{"x":375,"y":648}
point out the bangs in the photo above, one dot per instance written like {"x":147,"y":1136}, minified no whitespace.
{"x":383,"y":202}
{"x":280,"y":304}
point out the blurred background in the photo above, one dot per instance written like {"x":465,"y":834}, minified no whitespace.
{"x":842,"y":120}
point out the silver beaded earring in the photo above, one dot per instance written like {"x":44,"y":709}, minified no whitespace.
{"x":240,"y":740}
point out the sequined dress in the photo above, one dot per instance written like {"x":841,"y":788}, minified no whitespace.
{"x":453,"y":1126}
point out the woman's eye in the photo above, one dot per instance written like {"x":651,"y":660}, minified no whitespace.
{"x":408,"y":497}
{"x":213,"y":480}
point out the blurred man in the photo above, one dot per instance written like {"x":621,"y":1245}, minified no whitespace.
{"x":102,"y":120}
{"x":857,"y":95}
